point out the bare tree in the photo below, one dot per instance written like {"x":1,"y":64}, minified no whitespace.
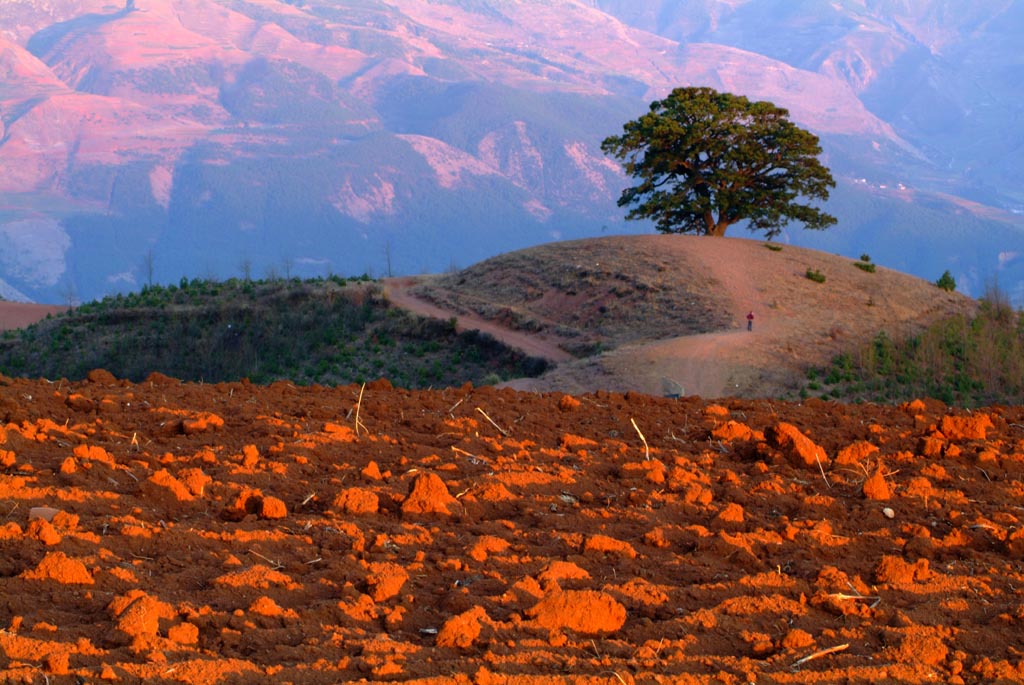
{"x":148,"y":264}
{"x":69,"y":295}
{"x":246,"y":266}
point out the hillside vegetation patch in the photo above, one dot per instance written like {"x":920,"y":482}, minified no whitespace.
{"x":327,"y":331}
{"x":967,"y":361}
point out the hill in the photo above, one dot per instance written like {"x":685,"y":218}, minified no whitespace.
{"x":327,"y":331}
{"x":662,"y":315}
{"x":666,"y":314}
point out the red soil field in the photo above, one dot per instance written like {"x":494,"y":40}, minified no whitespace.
{"x":21,"y":314}
{"x":183,"y":533}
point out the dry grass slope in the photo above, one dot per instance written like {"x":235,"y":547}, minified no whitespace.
{"x":655,"y":313}
{"x":592,"y":293}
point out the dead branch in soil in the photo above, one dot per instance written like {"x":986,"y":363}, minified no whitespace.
{"x":820,"y":653}
{"x":500,"y":429}
{"x":822,"y":469}
{"x":276,"y":565}
{"x":875,"y":600}
{"x":647,"y":449}
{"x":359,"y":404}
{"x":453,"y":407}
{"x":473,"y":459}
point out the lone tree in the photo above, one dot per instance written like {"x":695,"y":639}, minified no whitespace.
{"x":706,"y":160}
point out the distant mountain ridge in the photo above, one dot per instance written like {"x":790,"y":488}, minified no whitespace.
{"x":207,"y":137}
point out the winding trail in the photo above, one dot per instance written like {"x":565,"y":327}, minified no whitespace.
{"x":398,"y":291}
{"x":702,"y":364}
{"x":710,"y":364}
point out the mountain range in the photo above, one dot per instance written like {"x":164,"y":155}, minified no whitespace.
{"x":150,"y":140}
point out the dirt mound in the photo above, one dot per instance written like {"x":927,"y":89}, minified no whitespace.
{"x":231,"y":533}
{"x":667,"y":314}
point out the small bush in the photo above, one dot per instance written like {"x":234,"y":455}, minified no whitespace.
{"x":865,"y":257}
{"x":946,"y":281}
{"x":773,"y":247}
{"x":815,"y":275}
{"x":865,"y":266}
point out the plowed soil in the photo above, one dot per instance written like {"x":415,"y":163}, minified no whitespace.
{"x":177,"y":533}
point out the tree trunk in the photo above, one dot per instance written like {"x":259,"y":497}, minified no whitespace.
{"x":712,"y":227}
{"x":718,"y":229}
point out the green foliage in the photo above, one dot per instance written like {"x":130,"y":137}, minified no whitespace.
{"x":326,"y":331}
{"x":946,"y":281}
{"x":815,"y":275}
{"x":773,"y":247}
{"x":705,"y":160}
{"x":962,"y":361}
{"x":865,"y":266}
{"x":865,"y":258}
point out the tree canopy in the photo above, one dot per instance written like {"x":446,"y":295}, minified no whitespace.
{"x":705,"y":160}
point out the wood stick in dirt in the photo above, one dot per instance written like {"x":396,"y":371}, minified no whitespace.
{"x":820,"y":653}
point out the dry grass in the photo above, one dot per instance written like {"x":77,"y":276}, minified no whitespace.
{"x":671,"y":310}
{"x":594,"y":294}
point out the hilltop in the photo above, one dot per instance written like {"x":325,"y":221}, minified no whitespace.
{"x":666,"y":314}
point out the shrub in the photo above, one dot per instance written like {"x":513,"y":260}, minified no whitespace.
{"x":946,"y":281}
{"x":815,"y":275}
{"x":865,"y":266}
{"x":865,"y":257}
{"x":773,"y":247}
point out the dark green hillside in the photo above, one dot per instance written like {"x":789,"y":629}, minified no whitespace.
{"x":329,"y":332}
{"x":963,"y":361}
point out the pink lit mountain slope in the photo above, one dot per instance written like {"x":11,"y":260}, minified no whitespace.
{"x":161,"y":139}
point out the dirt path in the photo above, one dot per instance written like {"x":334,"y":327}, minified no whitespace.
{"x":398,"y":292}
{"x":710,"y":364}
{"x":700,"y":364}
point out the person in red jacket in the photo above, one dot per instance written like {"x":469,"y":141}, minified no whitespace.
{"x":750,"y":321}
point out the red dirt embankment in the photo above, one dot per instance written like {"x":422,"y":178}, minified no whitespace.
{"x":178,"y":533}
